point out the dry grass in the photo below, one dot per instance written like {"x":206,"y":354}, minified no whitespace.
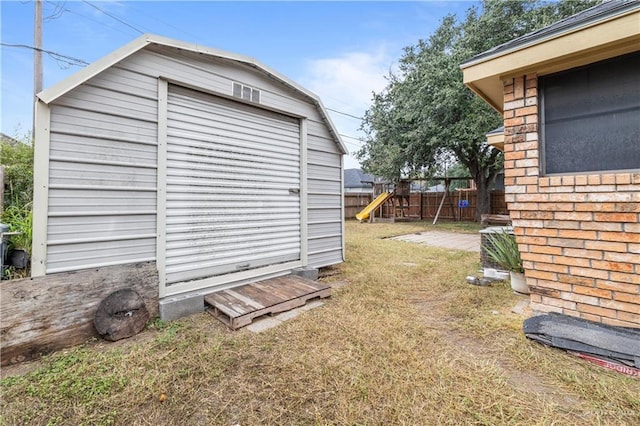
{"x":407,"y":341}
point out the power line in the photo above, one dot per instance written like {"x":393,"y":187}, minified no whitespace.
{"x":148,"y":15}
{"x":65,"y":9}
{"x":351,"y":137}
{"x":344,"y":113}
{"x":54,"y":55}
{"x":356,"y":145}
{"x":352,"y":144}
{"x":179,"y":29}
{"x":113,"y":17}
{"x":58,"y":11}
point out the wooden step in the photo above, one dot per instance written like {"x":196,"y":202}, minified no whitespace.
{"x":238,"y":306}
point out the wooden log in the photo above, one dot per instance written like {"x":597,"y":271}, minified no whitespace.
{"x":121,"y":315}
{"x":44,"y":314}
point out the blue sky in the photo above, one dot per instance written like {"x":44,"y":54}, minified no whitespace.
{"x":339,"y":50}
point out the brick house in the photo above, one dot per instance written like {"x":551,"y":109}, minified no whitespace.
{"x":570,"y":96}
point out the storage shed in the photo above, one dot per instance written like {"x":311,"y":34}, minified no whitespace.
{"x":210,"y":164}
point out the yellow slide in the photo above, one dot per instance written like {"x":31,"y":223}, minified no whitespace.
{"x":380,"y":199}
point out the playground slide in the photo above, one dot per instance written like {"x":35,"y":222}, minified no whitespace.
{"x":380,"y":199}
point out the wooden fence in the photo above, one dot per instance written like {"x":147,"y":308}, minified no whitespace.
{"x":354,"y":202}
{"x":425,"y":205}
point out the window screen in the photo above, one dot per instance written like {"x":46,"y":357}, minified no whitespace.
{"x":591,"y":117}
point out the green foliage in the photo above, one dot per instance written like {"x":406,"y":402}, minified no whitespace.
{"x":426,"y":113}
{"x":77,"y":375}
{"x":169,"y":331}
{"x":17,"y":160}
{"x":20,"y":219}
{"x":502,"y":248}
{"x":18,"y":172}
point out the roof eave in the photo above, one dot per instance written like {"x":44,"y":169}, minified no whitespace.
{"x":595,"y":20}
{"x":611,"y":36}
{"x":497,"y":106}
{"x":495,"y":138}
{"x":49,"y":95}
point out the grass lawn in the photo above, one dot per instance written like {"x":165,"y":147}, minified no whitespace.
{"x":405,"y":341}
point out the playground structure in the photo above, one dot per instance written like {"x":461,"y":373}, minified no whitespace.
{"x":394,"y":202}
{"x":388,"y":196}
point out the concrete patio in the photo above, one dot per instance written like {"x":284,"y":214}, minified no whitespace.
{"x":449,"y":240}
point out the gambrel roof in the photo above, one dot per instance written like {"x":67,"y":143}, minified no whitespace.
{"x":54,"y":92}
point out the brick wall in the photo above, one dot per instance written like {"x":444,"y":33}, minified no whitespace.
{"x":579,"y":235}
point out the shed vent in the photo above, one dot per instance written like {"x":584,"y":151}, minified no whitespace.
{"x":245,"y":92}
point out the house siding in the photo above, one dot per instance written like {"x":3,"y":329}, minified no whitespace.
{"x":102,"y":194}
{"x":579,"y":234}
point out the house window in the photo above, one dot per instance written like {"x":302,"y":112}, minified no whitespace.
{"x":590,"y":117}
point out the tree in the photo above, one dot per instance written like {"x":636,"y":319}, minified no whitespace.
{"x":426,"y":113}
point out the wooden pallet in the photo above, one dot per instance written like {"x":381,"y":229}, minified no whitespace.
{"x":237,"y":307}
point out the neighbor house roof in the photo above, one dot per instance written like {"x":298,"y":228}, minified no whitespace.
{"x":8,"y":139}
{"x":604,"y":31}
{"x":356,"y":178}
{"x":49,"y":95}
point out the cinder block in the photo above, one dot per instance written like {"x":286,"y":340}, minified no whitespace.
{"x":308,"y":273}
{"x":172,"y":308}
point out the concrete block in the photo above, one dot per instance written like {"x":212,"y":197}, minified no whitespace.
{"x":172,"y":308}
{"x":308,"y":273}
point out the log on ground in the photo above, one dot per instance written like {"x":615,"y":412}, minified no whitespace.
{"x":44,"y":314}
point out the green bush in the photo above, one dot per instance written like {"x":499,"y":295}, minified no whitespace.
{"x":17,"y":159}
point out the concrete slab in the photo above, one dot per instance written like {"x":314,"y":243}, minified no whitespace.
{"x":265,"y":323}
{"x":311,"y":305}
{"x":449,"y":240}
{"x":284,"y":316}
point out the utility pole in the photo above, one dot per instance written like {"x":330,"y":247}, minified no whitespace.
{"x":37,"y":58}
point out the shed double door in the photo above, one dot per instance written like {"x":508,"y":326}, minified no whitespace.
{"x":233,"y":187}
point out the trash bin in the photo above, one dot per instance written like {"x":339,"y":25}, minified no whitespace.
{"x":4,"y":246}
